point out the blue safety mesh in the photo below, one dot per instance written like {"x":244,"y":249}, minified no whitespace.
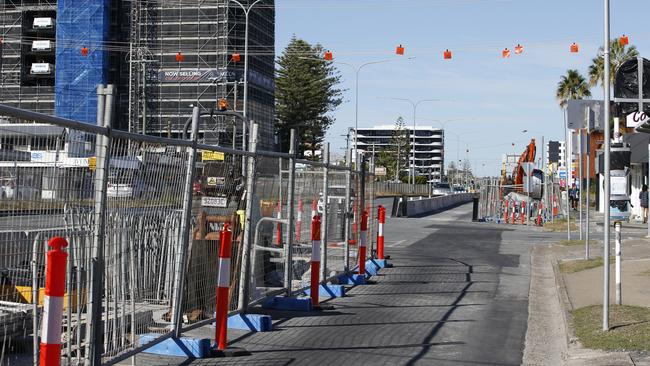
{"x":80,"y":23}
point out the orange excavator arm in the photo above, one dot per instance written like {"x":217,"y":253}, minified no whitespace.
{"x":527,"y":157}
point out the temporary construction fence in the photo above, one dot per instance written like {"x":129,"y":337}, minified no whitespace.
{"x":503,"y":204}
{"x":142,"y":217}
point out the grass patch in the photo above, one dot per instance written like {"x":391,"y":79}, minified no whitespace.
{"x":560,"y":225}
{"x":582,"y":264}
{"x":570,"y":243}
{"x":630,"y":328}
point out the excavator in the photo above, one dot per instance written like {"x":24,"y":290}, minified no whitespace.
{"x":517,"y":178}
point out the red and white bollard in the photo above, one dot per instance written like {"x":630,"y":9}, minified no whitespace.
{"x":50,"y":350}
{"x":315,"y":260}
{"x":381,"y":218}
{"x":539,"y":214}
{"x":278,"y":231}
{"x":523,"y":212}
{"x":314,"y":208}
{"x":505,"y":212}
{"x":299,"y":222}
{"x":223,"y":286}
{"x":363,"y":236}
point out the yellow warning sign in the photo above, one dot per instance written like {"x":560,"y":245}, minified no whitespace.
{"x":92,"y":163}
{"x":212,"y":156}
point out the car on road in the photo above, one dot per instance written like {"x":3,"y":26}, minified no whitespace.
{"x":441,"y":189}
{"x":460,"y":190}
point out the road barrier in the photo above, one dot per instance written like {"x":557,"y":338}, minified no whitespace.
{"x":223,"y":287}
{"x":431,"y":205}
{"x":315,"y":259}
{"x":53,"y":303}
{"x":380,"y":232}
{"x":143,"y":216}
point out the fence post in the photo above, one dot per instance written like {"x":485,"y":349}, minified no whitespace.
{"x":348,"y":183}
{"x":223,"y":287}
{"x":324,"y":220}
{"x":244,"y":279}
{"x":288,"y":251}
{"x":53,"y":303}
{"x":298,"y":234}
{"x":102,"y":152}
{"x":181,"y":258}
{"x":315,"y":259}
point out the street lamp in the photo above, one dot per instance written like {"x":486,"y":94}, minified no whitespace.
{"x":415,"y":105}
{"x":246,"y":13}
{"x":357,"y":70}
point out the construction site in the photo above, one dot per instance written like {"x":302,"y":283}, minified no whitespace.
{"x":162,"y":56}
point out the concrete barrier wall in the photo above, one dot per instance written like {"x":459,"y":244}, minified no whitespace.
{"x":429,"y":205}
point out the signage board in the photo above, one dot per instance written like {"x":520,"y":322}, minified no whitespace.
{"x":214,"y":202}
{"x":561,"y":173}
{"x":212,"y":156}
{"x":637,"y":119}
{"x":380,"y":171}
{"x":92,"y":163}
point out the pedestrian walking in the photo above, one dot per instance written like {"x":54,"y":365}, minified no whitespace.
{"x":574,"y":196}
{"x":643,"y":197}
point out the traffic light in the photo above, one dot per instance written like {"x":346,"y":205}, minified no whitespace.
{"x":222,"y":104}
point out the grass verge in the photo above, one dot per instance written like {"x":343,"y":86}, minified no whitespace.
{"x":581,"y":264}
{"x":630,"y":328}
{"x":570,"y":243}
{"x":560,"y":225}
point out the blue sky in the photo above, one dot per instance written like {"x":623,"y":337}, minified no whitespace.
{"x":492,"y":99}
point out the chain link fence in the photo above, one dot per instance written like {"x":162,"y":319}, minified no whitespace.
{"x":142,"y":217}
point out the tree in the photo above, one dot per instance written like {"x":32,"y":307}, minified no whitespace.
{"x":572,"y":86}
{"x":618,"y":55}
{"x":396,"y":156}
{"x":306,"y":92}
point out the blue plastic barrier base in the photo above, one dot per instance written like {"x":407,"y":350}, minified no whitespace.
{"x":327,"y":290}
{"x":372,"y":267}
{"x":288,"y":303}
{"x":382,"y":263}
{"x":251,"y":322}
{"x":182,"y":347}
{"x":355,"y":279}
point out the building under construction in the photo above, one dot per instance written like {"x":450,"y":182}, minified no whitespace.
{"x":163,"y":57}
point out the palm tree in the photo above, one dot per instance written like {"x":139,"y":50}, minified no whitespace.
{"x":572,"y":86}
{"x":618,"y":55}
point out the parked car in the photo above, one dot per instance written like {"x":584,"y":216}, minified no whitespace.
{"x":460,"y":190}
{"x":441,"y":189}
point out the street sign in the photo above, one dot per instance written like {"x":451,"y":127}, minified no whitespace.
{"x":214,"y":202}
{"x":561,"y":173}
{"x":637,"y":119}
{"x":380,"y":171}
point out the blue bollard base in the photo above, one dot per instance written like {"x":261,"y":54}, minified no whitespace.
{"x":354,"y":279}
{"x":181,"y":347}
{"x":288,"y":303}
{"x":251,"y":322}
{"x":382,"y":263}
{"x":372,"y":268}
{"x":329,"y":290}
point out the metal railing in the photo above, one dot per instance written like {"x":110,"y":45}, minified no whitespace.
{"x":142,"y":215}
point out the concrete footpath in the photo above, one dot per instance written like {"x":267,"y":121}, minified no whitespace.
{"x":554,"y":295}
{"x":457,"y":295}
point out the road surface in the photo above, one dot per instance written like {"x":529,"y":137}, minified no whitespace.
{"x":457,"y":295}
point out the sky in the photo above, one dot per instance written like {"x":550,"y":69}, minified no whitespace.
{"x":484,"y":101}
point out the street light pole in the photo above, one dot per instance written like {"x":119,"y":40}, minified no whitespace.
{"x":606,"y":217}
{"x":246,"y":13}
{"x":415,"y":105}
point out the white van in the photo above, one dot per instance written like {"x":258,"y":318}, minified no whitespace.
{"x":43,"y":23}
{"x":42,"y":68}
{"x":42,"y":46}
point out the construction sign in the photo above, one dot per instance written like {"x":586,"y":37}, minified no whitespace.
{"x":212,"y":156}
{"x":92,"y":163}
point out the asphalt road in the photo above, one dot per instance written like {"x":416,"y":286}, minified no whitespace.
{"x":457,"y":295}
